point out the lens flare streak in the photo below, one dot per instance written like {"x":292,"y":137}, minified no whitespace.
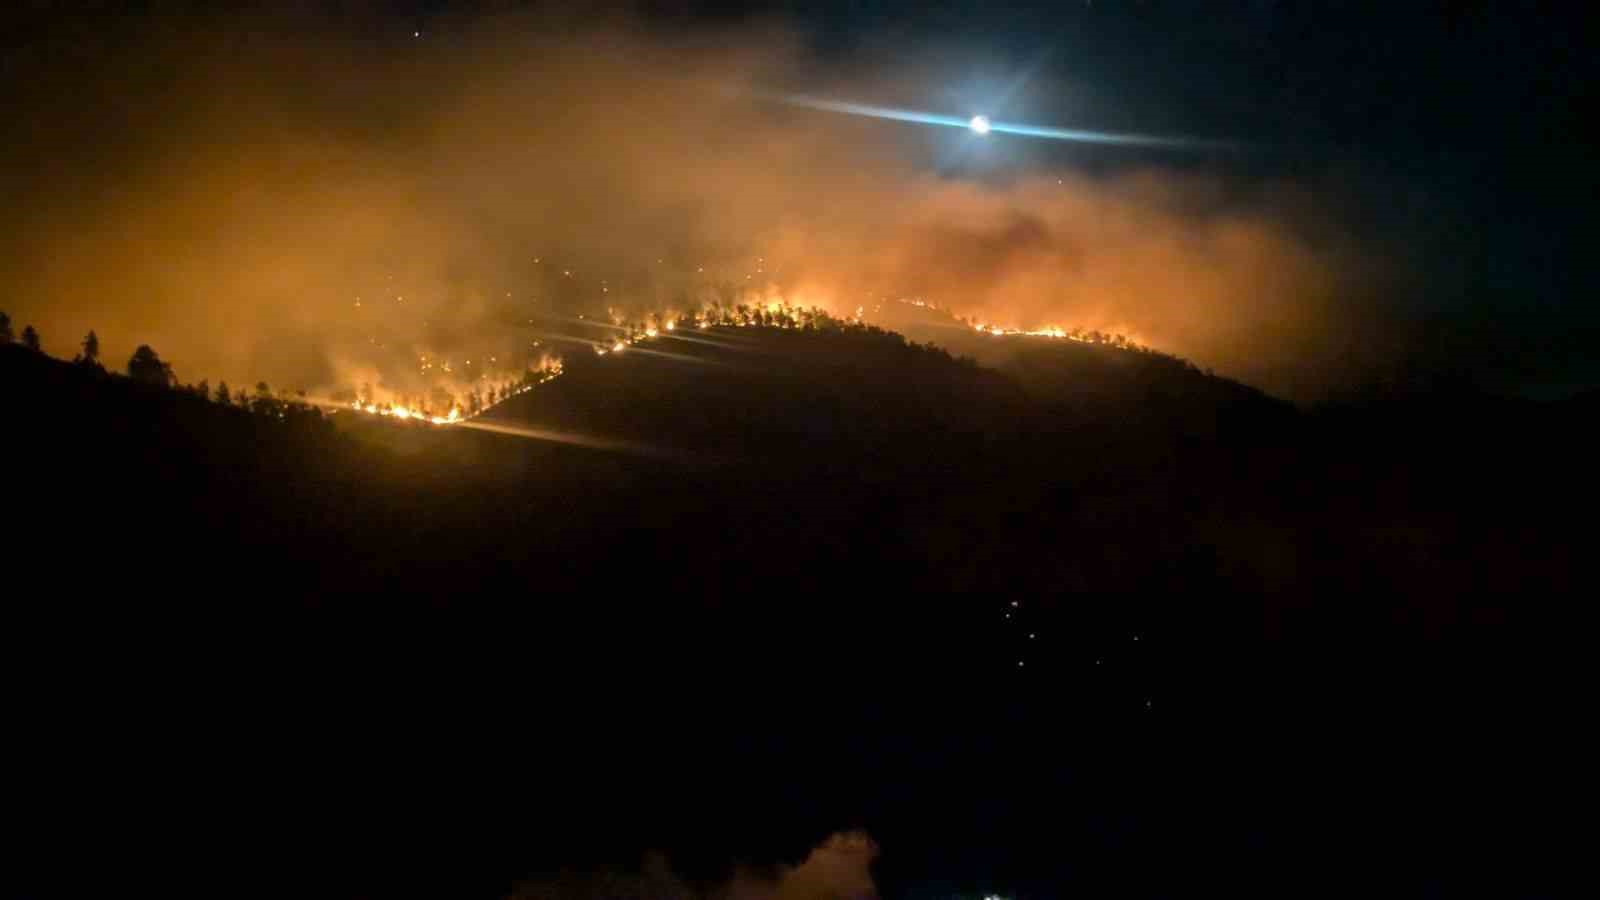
{"x":983,"y":125}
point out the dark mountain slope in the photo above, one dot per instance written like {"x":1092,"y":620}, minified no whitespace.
{"x":353,"y":657}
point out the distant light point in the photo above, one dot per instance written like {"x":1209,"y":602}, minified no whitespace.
{"x":980,"y":124}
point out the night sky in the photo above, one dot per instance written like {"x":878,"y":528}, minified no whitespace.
{"x":1456,"y":125}
{"x":1459,"y":123}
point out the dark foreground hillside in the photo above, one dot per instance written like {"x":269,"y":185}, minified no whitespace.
{"x":1077,"y":472}
{"x":338,"y":656}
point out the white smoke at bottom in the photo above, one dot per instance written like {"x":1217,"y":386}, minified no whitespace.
{"x":837,"y":869}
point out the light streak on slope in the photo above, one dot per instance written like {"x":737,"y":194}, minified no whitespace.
{"x":580,"y":440}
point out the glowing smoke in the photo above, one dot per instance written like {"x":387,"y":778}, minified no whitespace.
{"x":323,"y":213}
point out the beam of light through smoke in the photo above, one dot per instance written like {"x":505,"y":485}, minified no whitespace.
{"x":705,"y":341}
{"x":678,"y":357}
{"x":984,"y":125}
{"x":560,"y":337}
{"x":728,"y":344}
{"x":580,"y":320}
{"x":579,"y":440}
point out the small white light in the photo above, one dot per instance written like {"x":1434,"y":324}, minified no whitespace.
{"x":980,"y":124}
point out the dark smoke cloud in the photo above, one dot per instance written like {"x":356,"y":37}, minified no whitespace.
{"x":227,"y":194}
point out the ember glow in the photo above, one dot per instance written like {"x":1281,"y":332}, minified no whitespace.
{"x":454,"y":415}
{"x":1058,"y":333}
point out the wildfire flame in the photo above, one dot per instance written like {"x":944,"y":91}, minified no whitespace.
{"x":1058,"y":333}
{"x":778,"y":314}
{"x":456,"y":414}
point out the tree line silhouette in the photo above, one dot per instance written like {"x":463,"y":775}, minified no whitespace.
{"x":30,"y":337}
{"x":146,"y":367}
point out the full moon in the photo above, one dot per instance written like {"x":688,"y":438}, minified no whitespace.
{"x":980,"y":124}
